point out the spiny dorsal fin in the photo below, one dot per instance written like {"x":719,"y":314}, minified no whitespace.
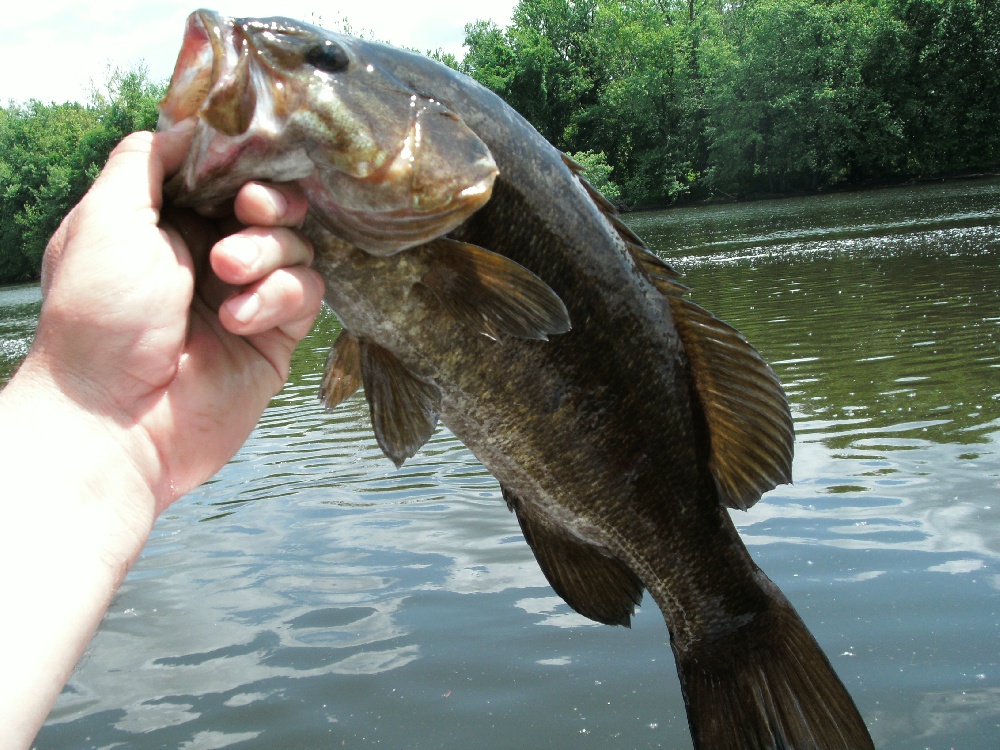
{"x":404,"y":408}
{"x":597,"y":196}
{"x":623,"y":230}
{"x":342,"y":374}
{"x":662,"y":276}
{"x":492,"y":294}
{"x":574,"y":166}
{"x":749,"y":422}
{"x":579,"y":170}
{"x":595,"y":585}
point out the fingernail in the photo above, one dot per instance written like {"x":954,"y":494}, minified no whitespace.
{"x":244,"y":251}
{"x":278,"y":202}
{"x":182,"y":126}
{"x":245,"y":309}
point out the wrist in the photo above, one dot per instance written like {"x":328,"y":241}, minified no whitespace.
{"x":76,"y":509}
{"x":78,"y":461}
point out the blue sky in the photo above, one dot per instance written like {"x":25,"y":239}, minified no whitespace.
{"x":59,"y":50}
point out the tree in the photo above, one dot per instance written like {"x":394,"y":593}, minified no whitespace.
{"x":50,"y":155}
{"x":542,"y":64}
{"x":690,"y":97}
{"x":598,"y":172}
{"x":947,"y":91}
{"x":37,"y":148}
{"x":647,"y":116}
{"x":790,"y":106}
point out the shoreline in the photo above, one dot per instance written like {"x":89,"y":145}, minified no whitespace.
{"x":885,"y":183}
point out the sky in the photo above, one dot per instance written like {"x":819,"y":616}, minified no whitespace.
{"x":60,"y":50}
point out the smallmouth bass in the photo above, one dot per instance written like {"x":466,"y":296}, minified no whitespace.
{"x":483,"y":282}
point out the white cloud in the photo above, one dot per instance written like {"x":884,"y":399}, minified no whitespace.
{"x":58,"y":50}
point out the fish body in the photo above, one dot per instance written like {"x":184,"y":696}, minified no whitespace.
{"x":482,"y":281}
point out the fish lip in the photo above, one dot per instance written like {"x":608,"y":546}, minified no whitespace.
{"x":213,"y":23}
{"x":189,"y":86}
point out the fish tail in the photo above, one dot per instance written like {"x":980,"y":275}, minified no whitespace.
{"x":768,"y":687}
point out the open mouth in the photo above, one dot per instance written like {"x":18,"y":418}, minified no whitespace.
{"x":211,"y":77}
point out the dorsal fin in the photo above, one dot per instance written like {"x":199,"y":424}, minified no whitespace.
{"x":623,"y":230}
{"x":597,"y":196}
{"x":492,"y":294}
{"x":342,"y":373}
{"x":404,"y":408}
{"x":662,"y":276}
{"x":593,"y":584}
{"x":574,"y":166}
{"x":579,"y":170}
{"x":750,"y":426}
{"x":657,"y":270}
{"x":749,"y":422}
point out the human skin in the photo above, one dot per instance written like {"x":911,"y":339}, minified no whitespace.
{"x":161,"y":339}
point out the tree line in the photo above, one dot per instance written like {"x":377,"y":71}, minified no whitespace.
{"x":662,"y":101}
{"x":694,"y":98}
{"x":50,"y":155}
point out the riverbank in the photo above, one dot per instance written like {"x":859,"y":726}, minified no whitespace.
{"x":882,"y":183}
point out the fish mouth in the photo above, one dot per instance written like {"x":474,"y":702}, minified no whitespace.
{"x":388,"y":167}
{"x":199,"y":70}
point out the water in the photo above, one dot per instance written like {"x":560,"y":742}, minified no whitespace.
{"x":313,"y":596}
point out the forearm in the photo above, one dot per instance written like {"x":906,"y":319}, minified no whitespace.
{"x":74,"y":515}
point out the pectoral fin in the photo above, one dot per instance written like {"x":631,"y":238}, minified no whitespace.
{"x":748,"y":418}
{"x":492,"y":294}
{"x":342,"y":374}
{"x":595,"y":585}
{"x":404,"y":408}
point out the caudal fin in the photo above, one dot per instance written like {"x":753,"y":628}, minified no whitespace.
{"x":769,"y":687}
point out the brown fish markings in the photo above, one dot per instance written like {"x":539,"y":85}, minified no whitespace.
{"x":438,"y":214}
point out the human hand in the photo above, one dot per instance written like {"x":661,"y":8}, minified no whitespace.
{"x":174,"y":331}
{"x":162,"y":337}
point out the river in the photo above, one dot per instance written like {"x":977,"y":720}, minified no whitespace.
{"x":311,"y":595}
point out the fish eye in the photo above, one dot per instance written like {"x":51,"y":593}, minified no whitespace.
{"x":327,"y":56}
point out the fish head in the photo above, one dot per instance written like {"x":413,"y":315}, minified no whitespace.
{"x":385,"y":167}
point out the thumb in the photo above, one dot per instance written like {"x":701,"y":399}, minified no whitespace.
{"x":171,"y":146}
{"x":144,"y":157}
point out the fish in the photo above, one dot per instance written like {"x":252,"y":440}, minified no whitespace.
{"x":483,"y":283}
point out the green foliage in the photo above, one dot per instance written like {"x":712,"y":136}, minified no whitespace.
{"x":691,"y":99}
{"x":444,"y":57}
{"x":545,"y":64}
{"x":50,"y":155}
{"x":947,"y":90}
{"x":597,"y":170}
{"x":789,"y":105}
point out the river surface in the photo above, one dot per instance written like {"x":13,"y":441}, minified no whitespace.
{"x":312,"y":596}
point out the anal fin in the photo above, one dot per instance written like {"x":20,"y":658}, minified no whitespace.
{"x":492,"y":294}
{"x":595,"y":585}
